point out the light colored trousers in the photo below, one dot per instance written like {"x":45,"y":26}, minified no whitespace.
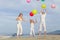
{"x":19,"y":29}
{"x":42,"y":24}
{"x":32,"y":29}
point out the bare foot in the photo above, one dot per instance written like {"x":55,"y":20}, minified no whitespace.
{"x":45,"y":33}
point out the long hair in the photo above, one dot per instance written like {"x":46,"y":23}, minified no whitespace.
{"x":31,"y":20}
{"x":20,"y":14}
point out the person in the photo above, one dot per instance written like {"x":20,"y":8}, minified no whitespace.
{"x":32,"y":22}
{"x":19,"y":24}
{"x":42,"y":21}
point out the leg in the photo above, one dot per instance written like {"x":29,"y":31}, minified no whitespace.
{"x":31,"y":32}
{"x":40,"y":29}
{"x":17,"y":29}
{"x":44,"y":25}
{"x":21,"y":30}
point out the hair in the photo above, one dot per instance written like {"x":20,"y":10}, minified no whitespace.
{"x":43,"y":12}
{"x":20,"y":14}
{"x":31,"y":20}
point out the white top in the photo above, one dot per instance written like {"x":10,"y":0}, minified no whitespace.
{"x":19,"y":21}
{"x":32,"y":24}
{"x":42,"y":17}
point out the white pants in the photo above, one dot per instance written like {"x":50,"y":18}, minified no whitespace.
{"x":19,"y":29}
{"x":32,"y":30}
{"x":42,"y":24}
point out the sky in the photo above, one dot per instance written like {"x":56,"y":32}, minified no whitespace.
{"x":10,"y":9}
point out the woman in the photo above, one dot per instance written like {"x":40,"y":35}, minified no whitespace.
{"x":19,"y":25}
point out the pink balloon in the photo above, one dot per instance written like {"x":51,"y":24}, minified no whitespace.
{"x":53,"y":6}
{"x":38,"y":0}
{"x":28,"y":1}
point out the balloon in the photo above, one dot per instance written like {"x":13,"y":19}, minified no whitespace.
{"x":28,"y":1}
{"x":53,"y":6}
{"x":42,"y":0}
{"x":43,"y":6}
{"x":37,"y":0}
{"x":34,"y":11}
{"x":31,"y":14}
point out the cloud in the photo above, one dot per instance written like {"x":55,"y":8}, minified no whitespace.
{"x":21,"y":6}
{"x":10,"y":9}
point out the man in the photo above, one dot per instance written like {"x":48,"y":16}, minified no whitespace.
{"x":42,"y":21}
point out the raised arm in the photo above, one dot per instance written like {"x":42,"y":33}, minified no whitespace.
{"x":41,"y":12}
{"x":24,"y":20}
{"x":46,"y":11}
{"x":17,"y":18}
{"x":35,"y":21}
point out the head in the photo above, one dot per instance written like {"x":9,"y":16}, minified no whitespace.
{"x":43,"y":12}
{"x":31,"y":21}
{"x":20,"y":15}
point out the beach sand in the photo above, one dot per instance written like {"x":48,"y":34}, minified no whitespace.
{"x":48,"y":37}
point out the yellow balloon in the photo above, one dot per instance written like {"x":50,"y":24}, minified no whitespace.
{"x":43,"y":6}
{"x":34,"y":11}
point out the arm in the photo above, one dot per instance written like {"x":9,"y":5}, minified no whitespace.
{"x":35,"y":21}
{"x":24,"y":20}
{"x":17,"y":18}
{"x":46,"y":11}
{"x":41,"y":12}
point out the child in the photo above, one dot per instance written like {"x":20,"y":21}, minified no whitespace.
{"x":32,"y":22}
{"x":42,"y":22}
{"x":19,"y":25}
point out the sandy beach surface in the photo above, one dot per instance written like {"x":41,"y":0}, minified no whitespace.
{"x":48,"y":37}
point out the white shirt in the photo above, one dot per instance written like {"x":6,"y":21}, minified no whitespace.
{"x":42,"y":17}
{"x":32,"y":25}
{"x":19,"y":22}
